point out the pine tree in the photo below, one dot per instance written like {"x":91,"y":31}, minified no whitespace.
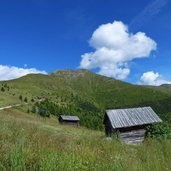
{"x":25,"y":100}
{"x":32,"y":100}
{"x":21,"y":97}
{"x":2,"y":89}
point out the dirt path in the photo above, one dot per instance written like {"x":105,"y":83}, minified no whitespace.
{"x":11,"y":106}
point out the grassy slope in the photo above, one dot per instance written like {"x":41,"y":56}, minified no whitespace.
{"x":28,"y":142}
{"x":165,"y":88}
{"x":7,"y":99}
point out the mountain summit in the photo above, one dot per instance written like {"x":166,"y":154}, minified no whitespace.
{"x":69,"y":73}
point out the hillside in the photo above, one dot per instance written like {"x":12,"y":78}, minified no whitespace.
{"x":85,"y":94}
{"x":165,"y":87}
{"x":30,"y":142}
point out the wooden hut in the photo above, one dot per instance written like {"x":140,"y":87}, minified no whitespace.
{"x":129,"y":124}
{"x":69,"y":120}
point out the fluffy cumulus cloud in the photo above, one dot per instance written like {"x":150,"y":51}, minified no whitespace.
{"x":114,"y":48}
{"x":153,"y":78}
{"x":11,"y":72}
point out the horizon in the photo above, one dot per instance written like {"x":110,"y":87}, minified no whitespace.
{"x":114,"y":39}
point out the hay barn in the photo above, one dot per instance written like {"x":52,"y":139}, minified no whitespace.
{"x":129,"y":124}
{"x":69,"y":120}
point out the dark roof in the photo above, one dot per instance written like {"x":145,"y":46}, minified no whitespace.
{"x":121,"y":118}
{"x":70,"y":118}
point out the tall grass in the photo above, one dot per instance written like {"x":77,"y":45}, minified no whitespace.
{"x":28,"y":143}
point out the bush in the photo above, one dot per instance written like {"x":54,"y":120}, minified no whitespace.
{"x":43,"y":112}
{"x":33,"y":110}
{"x":159,"y":130}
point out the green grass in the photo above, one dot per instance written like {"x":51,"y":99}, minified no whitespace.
{"x":6,"y":99}
{"x":29,"y":142}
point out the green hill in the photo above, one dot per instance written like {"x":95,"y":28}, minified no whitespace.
{"x":85,"y":94}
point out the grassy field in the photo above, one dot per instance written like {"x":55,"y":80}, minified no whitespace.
{"x":6,"y":100}
{"x":29,"y":142}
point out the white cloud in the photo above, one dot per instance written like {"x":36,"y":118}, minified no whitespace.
{"x":12,"y":72}
{"x":114,"y":48}
{"x":110,"y":70}
{"x":152,"y":78}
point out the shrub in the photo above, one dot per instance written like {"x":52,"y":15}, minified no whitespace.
{"x":43,"y":112}
{"x":159,"y":131}
{"x":33,"y":110}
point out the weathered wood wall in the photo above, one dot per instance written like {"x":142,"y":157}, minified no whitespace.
{"x":132,"y":136}
{"x":72,"y":123}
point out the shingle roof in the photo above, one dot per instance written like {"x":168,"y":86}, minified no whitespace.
{"x":120,"y":118}
{"x":70,"y":118}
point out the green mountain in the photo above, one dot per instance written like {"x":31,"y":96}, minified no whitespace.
{"x":85,"y":94}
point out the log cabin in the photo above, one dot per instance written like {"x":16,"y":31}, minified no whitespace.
{"x":69,"y":120}
{"x":129,"y":124}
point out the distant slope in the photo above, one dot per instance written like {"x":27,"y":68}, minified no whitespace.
{"x":87,"y":94}
{"x":164,"y":88}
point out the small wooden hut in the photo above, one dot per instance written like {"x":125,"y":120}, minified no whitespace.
{"x":129,"y":124}
{"x":69,"y":120}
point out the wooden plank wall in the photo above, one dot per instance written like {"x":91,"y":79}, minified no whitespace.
{"x":133,"y":136}
{"x":70,"y":123}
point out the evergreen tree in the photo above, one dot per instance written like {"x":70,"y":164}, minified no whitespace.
{"x":5,"y":85}
{"x":2,"y":89}
{"x":25,"y":100}
{"x":21,"y":97}
{"x":32,"y":100}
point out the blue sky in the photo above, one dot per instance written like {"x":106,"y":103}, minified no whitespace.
{"x":53,"y":34}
